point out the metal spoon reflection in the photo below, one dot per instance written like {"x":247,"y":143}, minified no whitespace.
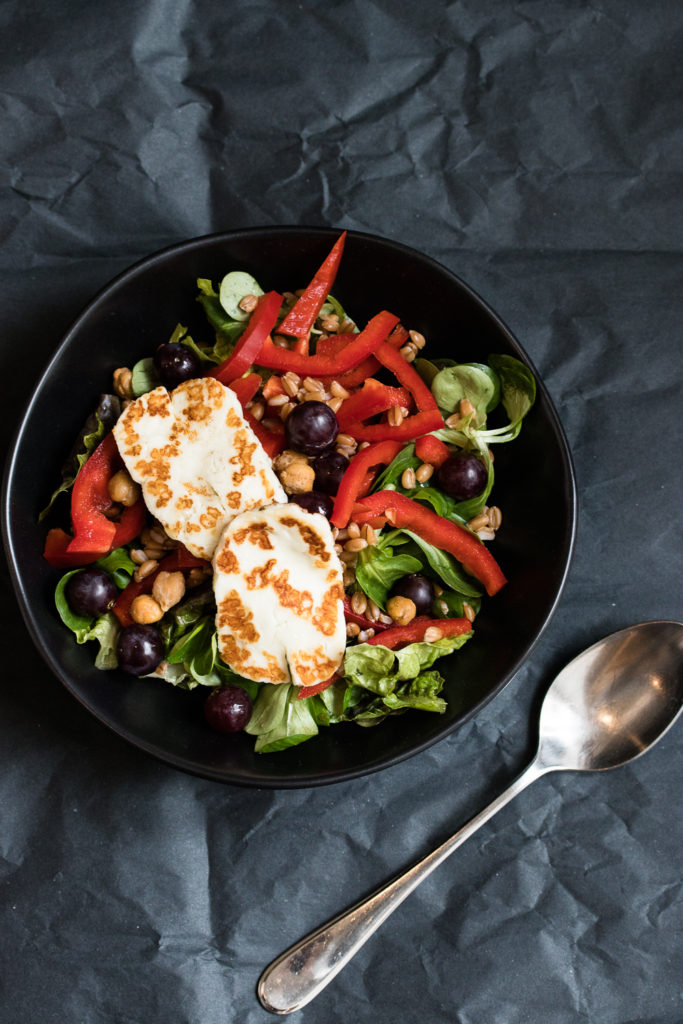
{"x":605,"y":708}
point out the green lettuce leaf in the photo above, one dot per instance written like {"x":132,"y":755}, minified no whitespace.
{"x":89,"y":443}
{"x":104,"y":628}
{"x":420,"y":694}
{"x":380,"y":681}
{"x":280,"y":720}
{"x":105,"y":631}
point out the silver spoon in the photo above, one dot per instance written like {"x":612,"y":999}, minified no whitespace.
{"x":608,"y":706}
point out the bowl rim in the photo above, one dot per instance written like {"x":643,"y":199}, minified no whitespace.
{"x":272,"y":780}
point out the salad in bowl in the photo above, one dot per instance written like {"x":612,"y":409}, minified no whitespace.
{"x":291,"y":511}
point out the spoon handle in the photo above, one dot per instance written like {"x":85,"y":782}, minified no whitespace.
{"x":299,"y":974}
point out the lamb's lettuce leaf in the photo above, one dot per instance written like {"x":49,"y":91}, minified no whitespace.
{"x":119,"y":565}
{"x":280,"y":720}
{"x":88,"y":440}
{"x":378,"y":568}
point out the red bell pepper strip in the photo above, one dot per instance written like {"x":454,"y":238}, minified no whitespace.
{"x":246,"y":387}
{"x":354,"y":476}
{"x":273,"y":441}
{"x":408,"y":514}
{"x":305,"y":310}
{"x":331,"y":344}
{"x":178,"y":560}
{"x":373,"y":398}
{"x":430,"y":449}
{"x":352,"y":378}
{"x":310,"y":691}
{"x":360,"y":514}
{"x":363,"y":345}
{"x":57,"y":554}
{"x":261,"y":323}
{"x":407,"y":376}
{"x":273,"y":387}
{"x":414,"y":632}
{"x":410,"y":428}
{"x":94,"y":534}
{"x":428,"y":417}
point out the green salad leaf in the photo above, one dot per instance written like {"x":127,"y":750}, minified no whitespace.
{"x":227,"y":328}
{"x":518,"y":386}
{"x":144,"y":377}
{"x":119,"y":565}
{"x":104,"y":628}
{"x":444,"y":566}
{"x":233,"y":288}
{"x":473,"y":381}
{"x":380,"y":681}
{"x":88,"y":442}
{"x":378,"y":568}
{"x":279,"y":719}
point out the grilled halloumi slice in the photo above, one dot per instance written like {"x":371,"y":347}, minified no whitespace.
{"x":197,"y":460}
{"x":279,"y":593}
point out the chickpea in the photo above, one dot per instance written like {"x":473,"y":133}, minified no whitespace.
{"x":123,"y":382}
{"x":145,"y":610}
{"x":197,"y":576}
{"x":123,"y":489}
{"x":286,"y":458}
{"x":297,"y":478}
{"x":168,"y":589}
{"x":401,"y":609}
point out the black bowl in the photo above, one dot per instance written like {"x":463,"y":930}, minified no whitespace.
{"x":535,"y":487}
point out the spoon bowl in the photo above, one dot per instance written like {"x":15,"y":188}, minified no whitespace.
{"x":613,"y":701}
{"x":605,"y":708}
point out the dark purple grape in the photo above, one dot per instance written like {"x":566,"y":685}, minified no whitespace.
{"x":311,"y":428}
{"x":314,"y":501}
{"x":175,"y":363}
{"x":228,"y":708}
{"x":91,"y":592}
{"x":417,"y":589}
{"x":463,"y":476}
{"x":139,"y":649}
{"x":329,"y":470}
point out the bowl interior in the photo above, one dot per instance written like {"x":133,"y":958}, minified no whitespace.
{"x":127,"y":321}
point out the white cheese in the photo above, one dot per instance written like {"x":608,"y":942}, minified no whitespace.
{"x":279,"y":593}
{"x":197,"y":460}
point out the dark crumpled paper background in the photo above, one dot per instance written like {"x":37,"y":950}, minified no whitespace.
{"x":535,"y":149}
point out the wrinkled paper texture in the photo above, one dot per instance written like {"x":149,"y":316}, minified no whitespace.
{"x":534,"y":149}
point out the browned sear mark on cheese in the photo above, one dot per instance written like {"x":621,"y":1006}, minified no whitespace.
{"x":233,"y":420}
{"x":235,"y":618}
{"x":260,"y":576}
{"x":256,"y":533}
{"x":325,"y":616}
{"x":299,"y":601}
{"x":156,"y":403}
{"x":244,"y":451}
{"x":266,"y":484}
{"x":321,"y":667}
{"x":198,"y":408}
{"x":314,"y":543}
{"x":235,"y":629}
{"x":227,"y":562}
{"x":210,"y":517}
{"x":234,"y":499}
{"x":161,"y":491}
